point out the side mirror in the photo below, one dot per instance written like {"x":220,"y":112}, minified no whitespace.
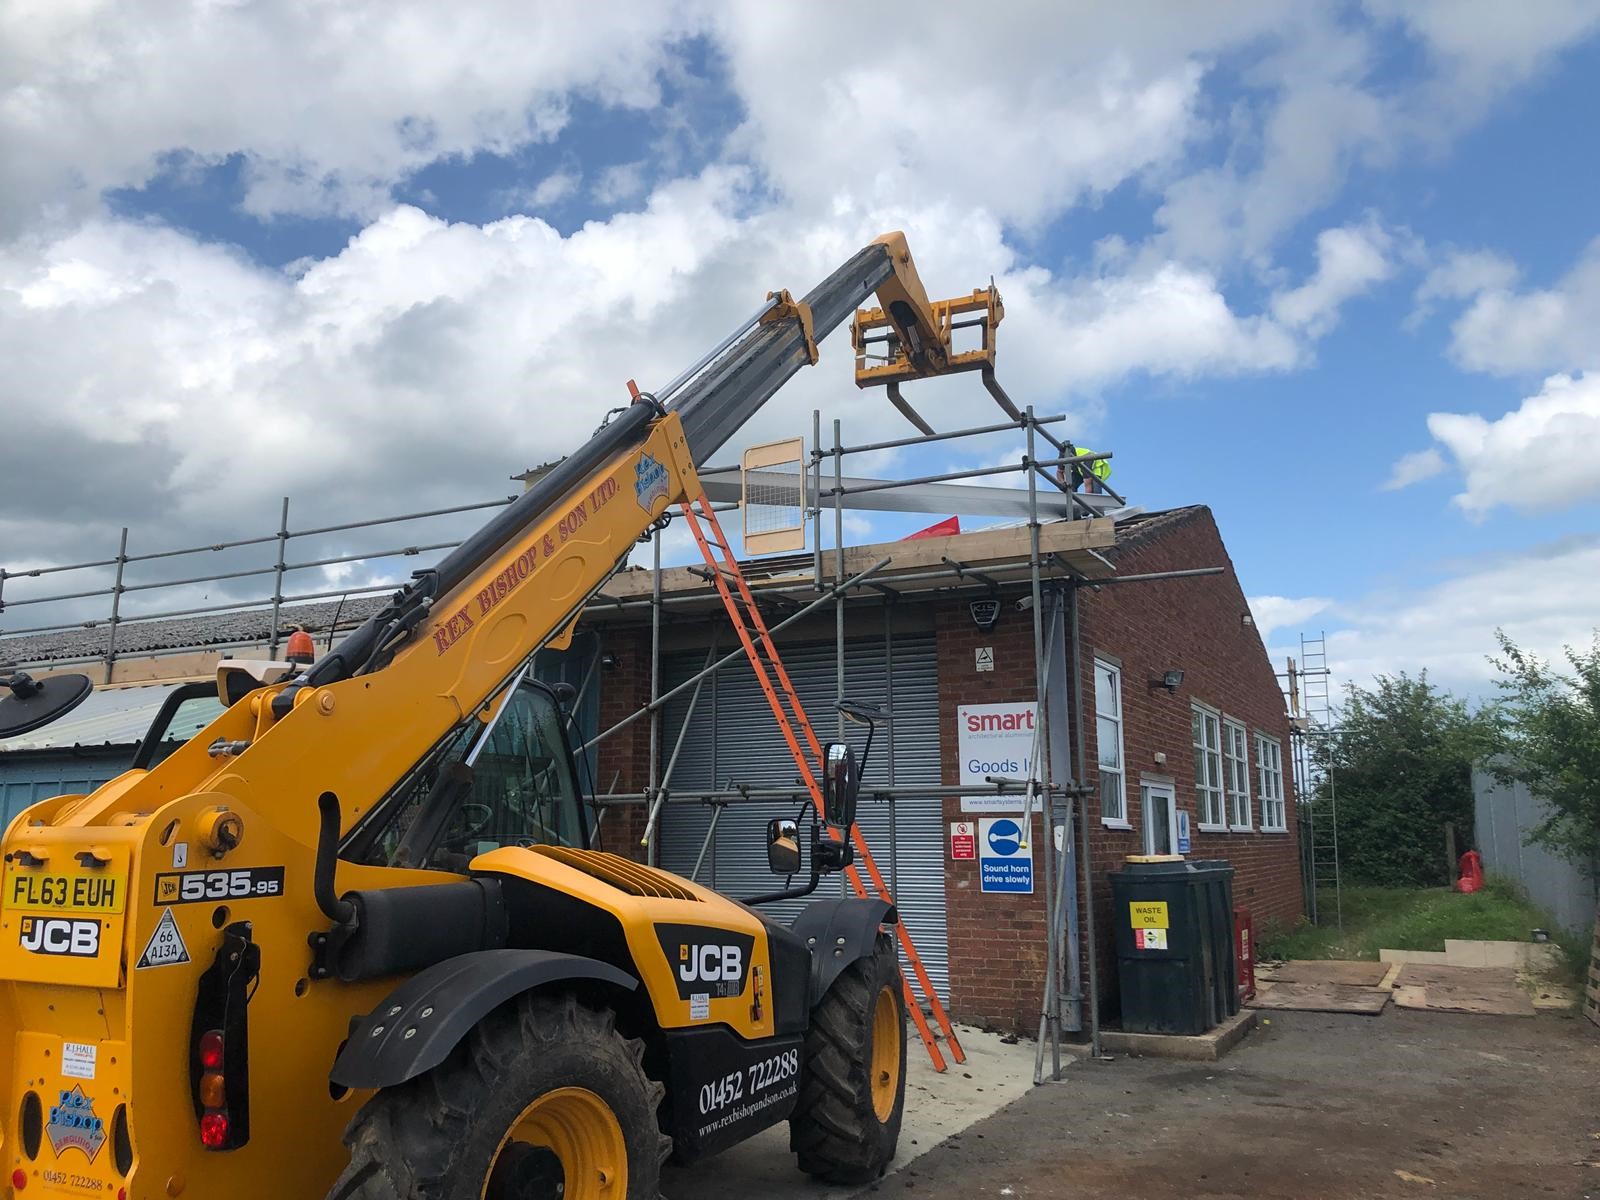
{"x":841,"y":783}
{"x":565,"y":694}
{"x":783,"y":847}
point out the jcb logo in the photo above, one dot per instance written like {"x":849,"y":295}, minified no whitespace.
{"x":706,"y":961}
{"x":62,"y":936}
{"x":711,"y":964}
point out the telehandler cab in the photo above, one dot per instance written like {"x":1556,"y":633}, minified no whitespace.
{"x":364,"y":899}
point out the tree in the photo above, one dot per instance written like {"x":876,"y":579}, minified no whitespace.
{"x":1551,"y":742}
{"x":1401,"y":768}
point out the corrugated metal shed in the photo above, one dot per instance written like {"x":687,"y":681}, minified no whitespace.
{"x":109,"y":717}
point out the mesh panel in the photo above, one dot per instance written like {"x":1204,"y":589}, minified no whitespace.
{"x":772,"y":501}
{"x":774,"y":497}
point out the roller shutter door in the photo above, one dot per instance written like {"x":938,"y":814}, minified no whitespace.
{"x":733,"y":740}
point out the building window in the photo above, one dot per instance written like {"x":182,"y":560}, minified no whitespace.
{"x":1236,"y":774}
{"x":1269,"y":779}
{"x":1108,"y":730}
{"x":1206,"y":734}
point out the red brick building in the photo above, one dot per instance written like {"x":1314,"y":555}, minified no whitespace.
{"x":1206,"y":756}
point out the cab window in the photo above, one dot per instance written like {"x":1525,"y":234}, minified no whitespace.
{"x":513,"y":787}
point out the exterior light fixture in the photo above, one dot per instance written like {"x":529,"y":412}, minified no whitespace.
{"x":1167,"y":679}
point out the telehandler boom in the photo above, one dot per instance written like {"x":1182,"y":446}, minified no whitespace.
{"x":363,"y":901}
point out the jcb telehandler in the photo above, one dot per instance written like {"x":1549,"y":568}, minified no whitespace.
{"x":363,"y":900}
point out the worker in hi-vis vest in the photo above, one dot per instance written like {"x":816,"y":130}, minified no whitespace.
{"x":1089,"y":474}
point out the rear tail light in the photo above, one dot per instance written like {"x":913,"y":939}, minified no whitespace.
{"x":219,"y":1063}
{"x":213,"y":1091}
{"x":214,"y":1131}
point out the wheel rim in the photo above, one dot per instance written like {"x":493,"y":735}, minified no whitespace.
{"x":887,"y":1030}
{"x":567,"y":1144}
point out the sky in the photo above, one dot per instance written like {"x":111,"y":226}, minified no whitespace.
{"x":1332,"y":269}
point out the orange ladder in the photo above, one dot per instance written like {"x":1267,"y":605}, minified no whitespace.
{"x":785,"y":703}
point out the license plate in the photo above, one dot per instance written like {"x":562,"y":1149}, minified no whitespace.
{"x":74,"y":889}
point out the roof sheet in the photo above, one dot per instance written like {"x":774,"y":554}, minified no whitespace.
{"x":249,"y":627}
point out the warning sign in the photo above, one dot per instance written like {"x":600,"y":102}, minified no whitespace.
{"x":1150,"y":939}
{"x":1006,"y":864}
{"x":963,"y":839}
{"x":1149,"y":914}
{"x":165,"y":948}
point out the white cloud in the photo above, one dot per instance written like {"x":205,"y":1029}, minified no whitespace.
{"x":1273,"y":613}
{"x":549,"y":191}
{"x":1506,"y":332}
{"x":1079,"y":98}
{"x":1288,"y":151}
{"x":1464,"y":273}
{"x":1543,"y":598}
{"x":1413,"y":468}
{"x":1490,"y":41}
{"x":1349,"y":261}
{"x":1538,"y":457}
{"x":1324,"y":101}
{"x":330,"y":107}
{"x":427,"y":360}
{"x":620,"y":184}
{"x":1172,"y":320}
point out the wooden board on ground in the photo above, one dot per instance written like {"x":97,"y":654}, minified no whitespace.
{"x":1351,"y":973}
{"x":1492,"y":991}
{"x":1321,"y":997}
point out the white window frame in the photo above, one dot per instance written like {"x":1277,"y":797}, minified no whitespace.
{"x":1123,"y":821}
{"x":1269,"y":783}
{"x":1208,"y":794}
{"x":1236,"y":775}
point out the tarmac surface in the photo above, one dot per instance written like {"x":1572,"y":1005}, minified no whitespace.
{"x":1310,"y":1107}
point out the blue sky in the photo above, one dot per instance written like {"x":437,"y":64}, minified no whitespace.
{"x":1328,"y":270}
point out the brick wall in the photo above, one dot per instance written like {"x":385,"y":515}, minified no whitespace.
{"x":1193,"y":625}
{"x":997,"y":942}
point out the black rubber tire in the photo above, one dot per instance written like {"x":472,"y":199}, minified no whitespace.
{"x":834,"y":1129}
{"x":435,"y":1137}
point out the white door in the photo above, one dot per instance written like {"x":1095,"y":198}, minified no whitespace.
{"x":1159,"y":814}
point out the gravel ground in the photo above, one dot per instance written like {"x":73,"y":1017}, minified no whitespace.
{"x":1310,"y":1107}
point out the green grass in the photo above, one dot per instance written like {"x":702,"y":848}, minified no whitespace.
{"x":1378,"y":918}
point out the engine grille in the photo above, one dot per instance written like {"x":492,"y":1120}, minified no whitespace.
{"x":621,"y":873}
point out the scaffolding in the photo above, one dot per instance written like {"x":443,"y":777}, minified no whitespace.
{"x":1055,"y":788}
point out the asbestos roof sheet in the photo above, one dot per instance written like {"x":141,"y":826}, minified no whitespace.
{"x":249,"y":627}
{"x":107,"y":717}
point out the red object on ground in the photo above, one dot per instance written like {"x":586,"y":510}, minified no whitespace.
{"x":945,"y":528}
{"x":1244,"y":953}
{"x":1471,"y":873}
